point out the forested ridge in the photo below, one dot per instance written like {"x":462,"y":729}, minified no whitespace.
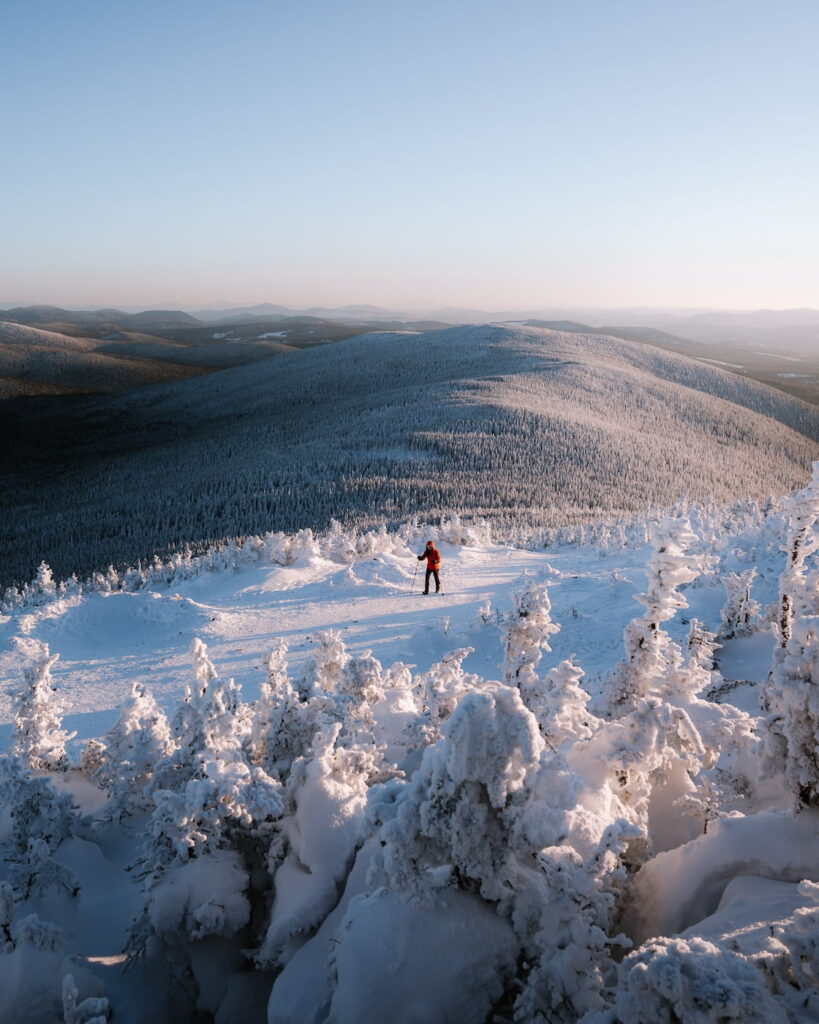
{"x":513,"y":424}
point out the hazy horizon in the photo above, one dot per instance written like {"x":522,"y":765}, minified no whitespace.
{"x":557,"y":311}
{"x":531,"y":155}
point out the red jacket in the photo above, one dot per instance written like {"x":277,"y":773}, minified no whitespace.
{"x":433,"y":557}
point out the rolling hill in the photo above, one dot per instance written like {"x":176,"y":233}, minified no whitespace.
{"x":48,"y":350}
{"x":515,"y":424}
{"x":38,"y":362}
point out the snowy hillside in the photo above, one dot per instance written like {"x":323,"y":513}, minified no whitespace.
{"x":288,"y":787}
{"x":34,"y":361}
{"x":523,"y":426}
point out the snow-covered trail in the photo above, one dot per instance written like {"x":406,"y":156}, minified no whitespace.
{"x":107,"y":641}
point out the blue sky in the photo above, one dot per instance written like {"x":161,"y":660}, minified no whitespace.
{"x":524,"y":153}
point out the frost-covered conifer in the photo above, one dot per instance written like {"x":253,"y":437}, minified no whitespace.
{"x":283,"y":724}
{"x":793,"y":697}
{"x":561,"y":709}
{"x":38,"y":737}
{"x":203,"y":669}
{"x":568,"y":977}
{"x":528,"y":628}
{"x":437,"y":693}
{"x":92,"y":757}
{"x":704,"y":802}
{"x":322,"y":671}
{"x":796,"y":598}
{"x":740,"y":611}
{"x":214,"y":817}
{"x":41,"y":935}
{"x":40,"y":872}
{"x":730,"y":747}
{"x":650,"y":757}
{"x":485,"y":613}
{"x":138,"y":741}
{"x":360,"y":687}
{"x":42,"y":817}
{"x":338,"y":545}
{"x":702,"y":645}
{"x":206,"y":717}
{"x":649,"y":650}
{"x":42,"y":588}
{"x":37,"y":808}
{"x":459,"y":809}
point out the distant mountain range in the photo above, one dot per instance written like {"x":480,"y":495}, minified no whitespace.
{"x":681,"y":322}
{"x":38,"y":316}
{"x":114,"y":349}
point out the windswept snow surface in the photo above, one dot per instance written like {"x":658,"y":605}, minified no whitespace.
{"x":108,"y":641}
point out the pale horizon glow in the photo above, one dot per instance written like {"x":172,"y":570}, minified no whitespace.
{"x":527,"y":155}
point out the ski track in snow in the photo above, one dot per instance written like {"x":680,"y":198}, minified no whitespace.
{"x":106,"y":642}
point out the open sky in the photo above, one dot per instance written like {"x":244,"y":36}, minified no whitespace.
{"x":491,"y":153}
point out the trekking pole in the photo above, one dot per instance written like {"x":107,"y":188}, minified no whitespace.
{"x":413,"y":579}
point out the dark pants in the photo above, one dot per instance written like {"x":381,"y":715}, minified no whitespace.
{"x":432,"y":572}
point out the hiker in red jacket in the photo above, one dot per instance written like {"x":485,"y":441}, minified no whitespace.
{"x":433,"y":557}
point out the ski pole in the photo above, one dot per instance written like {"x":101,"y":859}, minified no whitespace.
{"x":413,"y":579}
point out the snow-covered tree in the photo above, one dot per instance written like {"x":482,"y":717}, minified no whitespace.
{"x":42,"y":817}
{"x":667,"y":981}
{"x":207,"y":718}
{"x":559,"y":703}
{"x":654,"y":746}
{"x":793,"y":698}
{"x":437,"y":693}
{"x":39,"y":872}
{"x":38,"y":737}
{"x":740,"y":611}
{"x":650,"y":653}
{"x":38,"y":809}
{"x":797,"y":597}
{"x":283,"y":723}
{"x":702,"y":646}
{"x":43,"y":587}
{"x":215,"y":816}
{"x":568,"y":976}
{"x":455,"y":810}
{"x":138,"y":741}
{"x":528,"y":628}
{"x":322,"y":671}
{"x":791,"y":693}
